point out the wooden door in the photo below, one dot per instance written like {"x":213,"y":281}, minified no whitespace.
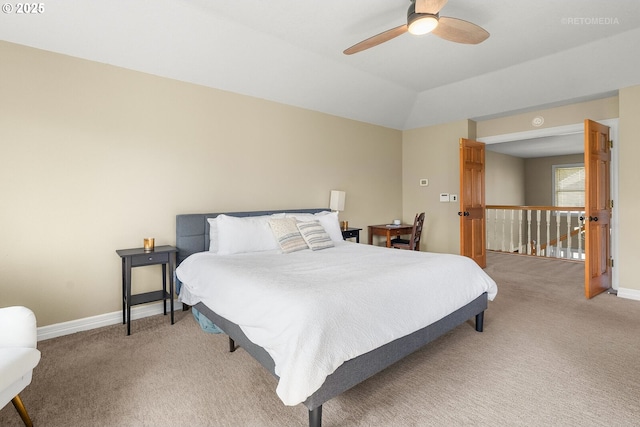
{"x":472,"y":205}
{"x":597,"y":160}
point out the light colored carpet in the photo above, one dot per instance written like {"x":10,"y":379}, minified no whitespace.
{"x":547,"y":357}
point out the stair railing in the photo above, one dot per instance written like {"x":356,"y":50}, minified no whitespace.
{"x":549,"y":231}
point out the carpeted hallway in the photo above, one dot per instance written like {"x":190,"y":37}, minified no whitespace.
{"x":548,"y":357}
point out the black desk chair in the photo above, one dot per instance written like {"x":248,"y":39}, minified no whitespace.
{"x":413,"y":244}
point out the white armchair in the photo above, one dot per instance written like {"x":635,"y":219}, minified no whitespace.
{"x":18,"y":355}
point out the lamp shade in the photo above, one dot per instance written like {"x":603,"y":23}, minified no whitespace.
{"x":336,"y":202}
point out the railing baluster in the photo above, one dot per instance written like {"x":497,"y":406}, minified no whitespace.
{"x":529,"y":248}
{"x":580,"y":234}
{"x":520,"y":231}
{"x":548,"y":217}
{"x":538,"y":216}
{"x":511,"y":232}
{"x":488,"y":229}
{"x":504,"y":219}
{"x":495,"y":229}
{"x":559,"y":242}
{"x":569,"y":250}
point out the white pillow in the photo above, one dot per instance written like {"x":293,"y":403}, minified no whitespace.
{"x":331,"y":225}
{"x":328,"y":220}
{"x":245,"y":234}
{"x":314,"y":234}
{"x":213,"y":234}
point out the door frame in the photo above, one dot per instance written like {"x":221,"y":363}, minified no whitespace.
{"x":578,"y":128}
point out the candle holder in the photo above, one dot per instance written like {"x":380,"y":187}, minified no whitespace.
{"x":149,"y":244}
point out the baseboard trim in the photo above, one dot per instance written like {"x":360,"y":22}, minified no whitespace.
{"x":629,"y":293}
{"x":99,"y":321}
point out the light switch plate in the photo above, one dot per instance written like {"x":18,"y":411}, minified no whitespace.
{"x":453,"y":197}
{"x":424,"y":182}
{"x":444,"y":197}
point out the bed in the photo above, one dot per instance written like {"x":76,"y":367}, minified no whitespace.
{"x":318,"y":324}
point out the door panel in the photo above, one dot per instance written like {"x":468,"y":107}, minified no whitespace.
{"x":472,"y":203}
{"x":597,"y":161}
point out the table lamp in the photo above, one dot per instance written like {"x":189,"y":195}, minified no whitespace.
{"x":336,"y":202}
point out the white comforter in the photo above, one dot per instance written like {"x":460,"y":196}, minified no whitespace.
{"x":312,"y":311}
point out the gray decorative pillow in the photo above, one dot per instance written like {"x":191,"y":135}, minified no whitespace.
{"x":287,"y":235}
{"x":315,"y":235}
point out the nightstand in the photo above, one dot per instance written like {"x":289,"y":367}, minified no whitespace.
{"x":164,"y":255}
{"x":350,"y":233}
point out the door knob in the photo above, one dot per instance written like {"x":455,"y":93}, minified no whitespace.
{"x":581,"y":218}
{"x":463,"y":213}
{"x":593,"y":218}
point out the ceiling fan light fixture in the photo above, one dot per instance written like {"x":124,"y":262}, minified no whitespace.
{"x":420,"y":24}
{"x":427,"y":20}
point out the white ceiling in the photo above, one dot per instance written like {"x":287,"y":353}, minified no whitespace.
{"x":541,"y":53}
{"x":556,"y":145}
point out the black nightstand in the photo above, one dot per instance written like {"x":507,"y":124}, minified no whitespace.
{"x":165,"y":255}
{"x":351,"y":232}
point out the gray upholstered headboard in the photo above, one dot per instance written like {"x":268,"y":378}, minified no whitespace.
{"x":192,"y":230}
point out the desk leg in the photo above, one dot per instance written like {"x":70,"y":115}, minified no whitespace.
{"x":127,"y":279}
{"x":388,"y":238}
{"x":370,"y":236}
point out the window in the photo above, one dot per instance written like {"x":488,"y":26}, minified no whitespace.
{"x":568,"y":185}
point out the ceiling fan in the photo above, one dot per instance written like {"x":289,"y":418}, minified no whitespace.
{"x":424,"y":17}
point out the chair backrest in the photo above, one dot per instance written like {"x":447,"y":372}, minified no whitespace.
{"x":416,"y":232}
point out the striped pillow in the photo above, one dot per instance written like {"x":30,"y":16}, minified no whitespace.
{"x":315,"y":235}
{"x":287,"y":235}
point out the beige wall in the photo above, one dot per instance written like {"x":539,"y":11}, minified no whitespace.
{"x":433,"y":153}
{"x":628,"y":178}
{"x":504,"y":179}
{"x":94,"y":158}
{"x":599,"y":109}
{"x":539,"y":177}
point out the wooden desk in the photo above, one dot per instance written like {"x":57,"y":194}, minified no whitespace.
{"x":389,"y":231}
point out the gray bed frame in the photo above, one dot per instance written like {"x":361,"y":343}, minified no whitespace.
{"x":192,"y":235}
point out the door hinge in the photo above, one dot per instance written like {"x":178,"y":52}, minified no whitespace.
{"x":611,"y":204}
{"x":611,"y":143}
{"x":611,"y":262}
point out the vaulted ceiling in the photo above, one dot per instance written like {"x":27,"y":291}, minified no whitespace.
{"x":539,"y":54}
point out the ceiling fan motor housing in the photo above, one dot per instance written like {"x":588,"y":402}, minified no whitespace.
{"x":428,"y":21}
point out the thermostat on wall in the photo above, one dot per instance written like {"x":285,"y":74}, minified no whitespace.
{"x":444,"y":197}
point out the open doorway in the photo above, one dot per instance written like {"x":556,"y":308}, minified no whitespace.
{"x":560,"y":145}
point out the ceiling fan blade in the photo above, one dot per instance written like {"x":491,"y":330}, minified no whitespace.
{"x":460,"y":31}
{"x":429,"y":6}
{"x":376,"y":40}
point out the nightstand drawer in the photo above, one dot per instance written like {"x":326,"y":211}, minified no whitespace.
{"x":149,"y":259}
{"x":350,"y":233}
